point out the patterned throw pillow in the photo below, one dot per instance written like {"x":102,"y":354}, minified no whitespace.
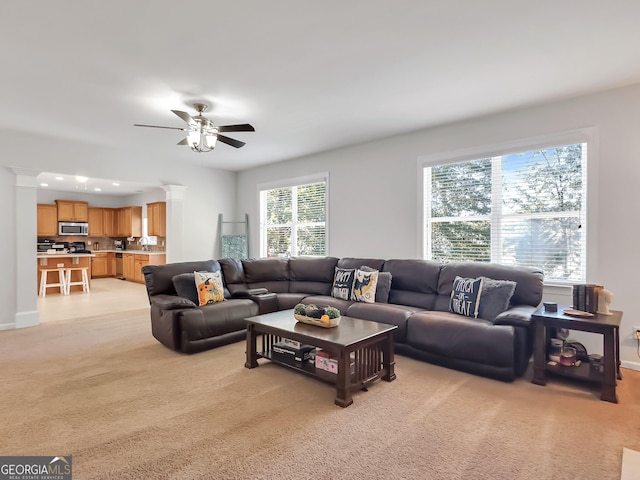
{"x":383,"y":288}
{"x":209,"y":286}
{"x":364,"y":286}
{"x":465,"y":296}
{"x":343,"y":283}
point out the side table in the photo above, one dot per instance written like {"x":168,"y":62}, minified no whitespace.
{"x":607,"y":325}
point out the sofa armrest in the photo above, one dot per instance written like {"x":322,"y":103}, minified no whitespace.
{"x":171,"y":302}
{"x":251,"y":292}
{"x":517,"y":316}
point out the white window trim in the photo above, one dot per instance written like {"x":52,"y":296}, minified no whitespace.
{"x":292,"y":182}
{"x":588,"y":135}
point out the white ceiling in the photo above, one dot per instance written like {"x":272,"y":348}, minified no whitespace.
{"x":309,"y":76}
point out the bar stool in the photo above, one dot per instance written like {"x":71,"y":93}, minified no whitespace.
{"x":44,"y":280}
{"x":84,"y":282}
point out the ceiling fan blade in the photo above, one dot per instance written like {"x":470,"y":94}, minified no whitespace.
{"x":184,"y":141}
{"x":230,"y":141}
{"x":244,"y":127}
{"x":185,"y":116}
{"x":158,"y":126}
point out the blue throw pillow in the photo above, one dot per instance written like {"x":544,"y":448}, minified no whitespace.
{"x":465,"y":296}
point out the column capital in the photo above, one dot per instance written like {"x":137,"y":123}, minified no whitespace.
{"x":174,"y":192}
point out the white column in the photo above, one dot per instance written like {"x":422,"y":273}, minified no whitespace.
{"x":26,"y":248}
{"x":175,"y":230}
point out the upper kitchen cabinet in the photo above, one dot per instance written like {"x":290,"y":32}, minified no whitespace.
{"x":157,"y":219}
{"x":109,"y":222}
{"x":96,"y":222}
{"x":72,"y":211}
{"x":129,"y":222}
{"x":47,"y":220}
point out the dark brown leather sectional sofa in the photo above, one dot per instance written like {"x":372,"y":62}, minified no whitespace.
{"x":418,"y":304}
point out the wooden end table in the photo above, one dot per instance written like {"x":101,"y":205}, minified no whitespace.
{"x":371,"y":344}
{"x":607,"y":325}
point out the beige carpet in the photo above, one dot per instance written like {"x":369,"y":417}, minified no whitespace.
{"x":103,"y":390}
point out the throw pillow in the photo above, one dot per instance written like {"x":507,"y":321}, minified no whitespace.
{"x":496,"y":295}
{"x":364,"y":286}
{"x":209,"y":286}
{"x":465,"y":296}
{"x":343,"y":283}
{"x":384,"y":284}
{"x":185,"y":286}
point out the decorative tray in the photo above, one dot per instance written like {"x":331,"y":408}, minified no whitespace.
{"x":578,"y":313}
{"x":333,"y":322}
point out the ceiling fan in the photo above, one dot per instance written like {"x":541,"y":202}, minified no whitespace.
{"x":202,"y":134}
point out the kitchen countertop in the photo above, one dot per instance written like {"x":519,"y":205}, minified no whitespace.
{"x":139,"y":252}
{"x":61,"y":255}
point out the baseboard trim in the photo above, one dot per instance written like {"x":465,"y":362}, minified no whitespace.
{"x":26,"y":319}
{"x":630,"y":365}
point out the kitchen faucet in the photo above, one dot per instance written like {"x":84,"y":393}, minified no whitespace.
{"x":144,"y":241}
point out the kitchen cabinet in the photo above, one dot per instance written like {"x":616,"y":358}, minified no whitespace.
{"x":128,"y":260}
{"x":157,"y":219}
{"x":96,"y":222}
{"x":133,"y":262}
{"x":47,"y":220}
{"x":72,"y":211}
{"x":108,"y":220}
{"x":129,"y":222}
{"x":103,"y":264}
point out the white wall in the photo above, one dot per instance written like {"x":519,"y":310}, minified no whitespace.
{"x":373,"y":189}
{"x":208,"y":192}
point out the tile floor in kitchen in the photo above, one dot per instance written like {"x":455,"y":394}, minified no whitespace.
{"x":107,"y":295}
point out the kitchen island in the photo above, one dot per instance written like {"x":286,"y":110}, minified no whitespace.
{"x":65,"y":260}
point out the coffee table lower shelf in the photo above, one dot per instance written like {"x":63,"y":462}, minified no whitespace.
{"x":363,"y":349}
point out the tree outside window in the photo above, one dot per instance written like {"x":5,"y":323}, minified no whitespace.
{"x":520,"y":209}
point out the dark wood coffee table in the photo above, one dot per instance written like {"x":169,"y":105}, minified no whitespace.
{"x":370,"y":342}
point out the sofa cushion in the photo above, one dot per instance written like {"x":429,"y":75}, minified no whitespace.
{"x":349,"y":262}
{"x":311,"y":275}
{"x":185,"y":285}
{"x":496,"y":295}
{"x":456,"y":336}
{"x":343,"y":283}
{"x":159,"y":278}
{"x":528,"y":289}
{"x":270,"y":273}
{"x":364,"y":286}
{"x":415,"y":282}
{"x":383,"y":313}
{"x":209,"y":286}
{"x":465,"y":296}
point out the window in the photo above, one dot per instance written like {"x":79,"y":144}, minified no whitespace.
{"x":523,"y":208}
{"x":293,"y":220}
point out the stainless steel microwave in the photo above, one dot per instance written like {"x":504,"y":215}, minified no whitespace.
{"x":73,"y":228}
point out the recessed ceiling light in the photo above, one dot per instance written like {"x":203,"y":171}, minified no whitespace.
{"x":44,"y":184}
{"x":97,"y":189}
{"x":59,"y":178}
{"x":81,"y":179}
{"x":115,"y":184}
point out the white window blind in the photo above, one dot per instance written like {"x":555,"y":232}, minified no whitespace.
{"x":523,"y":209}
{"x":293,"y":220}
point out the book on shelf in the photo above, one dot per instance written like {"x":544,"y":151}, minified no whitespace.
{"x":300,"y":354}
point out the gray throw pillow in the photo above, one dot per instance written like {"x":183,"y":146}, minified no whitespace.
{"x":496,"y":295}
{"x":384,"y":284}
{"x":185,"y":285}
